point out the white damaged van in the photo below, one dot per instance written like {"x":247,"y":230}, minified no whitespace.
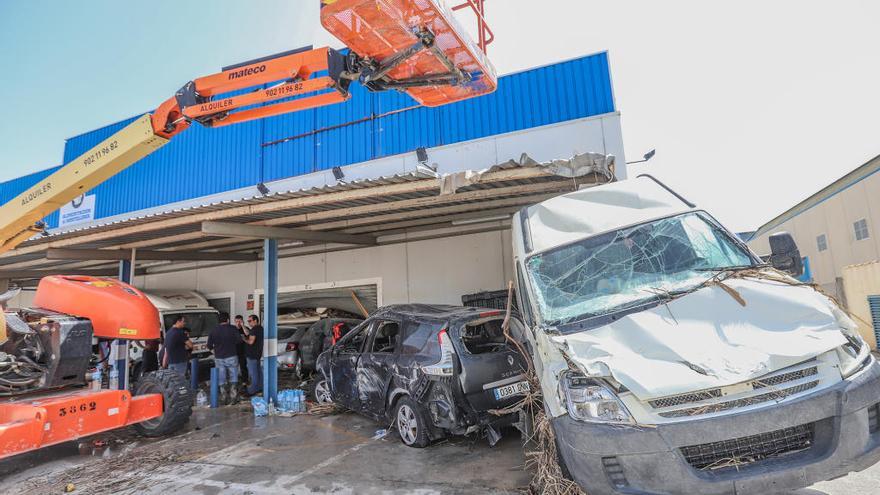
{"x":672,"y":360}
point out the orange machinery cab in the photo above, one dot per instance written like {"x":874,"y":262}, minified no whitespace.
{"x":116,"y":309}
{"x":381,"y":29}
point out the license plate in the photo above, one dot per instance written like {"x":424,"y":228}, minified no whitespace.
{"x":506,"y":391}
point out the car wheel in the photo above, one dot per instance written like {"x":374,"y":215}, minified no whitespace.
{"x":409,"y":419}
{"x":298,"y":368}
{"x":321,"y":391}
{"x":177,"y":402}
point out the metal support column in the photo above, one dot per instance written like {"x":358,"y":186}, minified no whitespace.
{"x":270,"y":321}
{"x":119,"y":350}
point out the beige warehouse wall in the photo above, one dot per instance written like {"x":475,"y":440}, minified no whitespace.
{"x":436,"y":270}
{"x":834,"y":217}
{"x":859,"y":282}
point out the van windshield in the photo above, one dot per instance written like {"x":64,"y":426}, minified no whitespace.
{"x":620,"y":270}
{"x":199,"y":324}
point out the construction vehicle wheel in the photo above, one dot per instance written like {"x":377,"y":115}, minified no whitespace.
{"x":177,"y":401}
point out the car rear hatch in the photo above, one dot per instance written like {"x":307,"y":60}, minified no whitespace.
{"x":492,"y":372}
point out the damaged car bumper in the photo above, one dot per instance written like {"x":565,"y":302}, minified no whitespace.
{"x":784,"y":447}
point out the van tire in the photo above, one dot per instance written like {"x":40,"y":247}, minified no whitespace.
{"x":177,"y":402}
{"x":410,"y":423}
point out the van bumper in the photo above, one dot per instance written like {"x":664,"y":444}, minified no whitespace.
{"x":845,"y":420}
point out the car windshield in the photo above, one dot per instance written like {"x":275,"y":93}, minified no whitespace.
{"x":620,"y":270}
{"x":199,"y":324}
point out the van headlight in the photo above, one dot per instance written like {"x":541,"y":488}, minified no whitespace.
{"x":591,"y":401}
{"x":854,"y":355}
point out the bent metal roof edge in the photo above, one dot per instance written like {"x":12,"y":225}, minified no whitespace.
{"x":382,"y":206}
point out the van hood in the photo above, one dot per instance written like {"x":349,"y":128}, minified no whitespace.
{"x":706,"y":339}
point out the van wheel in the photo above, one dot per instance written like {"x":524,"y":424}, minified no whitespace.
{"x":409,"y":419}
{"x":177,"y":402}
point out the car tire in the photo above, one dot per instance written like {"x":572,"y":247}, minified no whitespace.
{"x":320,"y":390}
{"x":177,"y":402}
{"x":410,"y":423}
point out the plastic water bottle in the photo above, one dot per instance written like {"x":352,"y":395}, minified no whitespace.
{"x":271,"y":410}
{"x":201,"y":398}
{"x":301,"y":397}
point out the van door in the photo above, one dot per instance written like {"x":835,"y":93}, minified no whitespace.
{"x":376,"y":366}
{"x":493,"y":371}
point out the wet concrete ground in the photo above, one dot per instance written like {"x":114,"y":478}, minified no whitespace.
{"x":229,"y":451}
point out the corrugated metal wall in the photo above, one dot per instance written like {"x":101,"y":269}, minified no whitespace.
{"x":371,"y":125}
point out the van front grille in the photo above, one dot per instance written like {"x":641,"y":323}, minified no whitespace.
{"x":743,"y":451}
{"x":874,"y":418}
{"x":775,"y":395}
{"x":774,"y":387}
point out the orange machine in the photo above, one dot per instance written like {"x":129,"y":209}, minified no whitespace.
{"x":133,"y":316}
{"x":414,"y":46}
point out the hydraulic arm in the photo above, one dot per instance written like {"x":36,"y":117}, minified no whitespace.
{"x":415,"y":46}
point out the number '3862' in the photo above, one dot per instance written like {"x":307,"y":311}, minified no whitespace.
{"x":80,"y":408}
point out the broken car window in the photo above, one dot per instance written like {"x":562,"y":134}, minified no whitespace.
{"x":387,"y":337}
{"x":623,"y":269}
{"x":485,"y":336}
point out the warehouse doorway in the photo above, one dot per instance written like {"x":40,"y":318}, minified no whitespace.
{"x":309,"y":316}
{"x":222,"y":302}
{"x":351,"y":297}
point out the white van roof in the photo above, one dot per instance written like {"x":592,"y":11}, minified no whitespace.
{"x":599,"y":209}
{"x":177,"y":300}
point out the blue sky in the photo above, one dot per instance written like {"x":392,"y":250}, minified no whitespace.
{"x":742,"y":100}
{"x":73,"y":66}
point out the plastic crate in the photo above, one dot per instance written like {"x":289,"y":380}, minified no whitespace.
{"x":493,"y":299}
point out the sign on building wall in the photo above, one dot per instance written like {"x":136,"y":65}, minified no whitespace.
{"x":80,"y":210}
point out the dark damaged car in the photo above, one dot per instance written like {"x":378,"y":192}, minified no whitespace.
{"x":432,"y":370}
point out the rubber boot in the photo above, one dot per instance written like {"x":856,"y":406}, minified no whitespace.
{"x":233,"y":393}
{"x":223,"y":394}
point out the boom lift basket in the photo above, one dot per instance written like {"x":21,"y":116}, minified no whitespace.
{"x":416,"y":46}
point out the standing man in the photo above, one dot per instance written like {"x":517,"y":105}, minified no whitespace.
{"x":223,"y":340}
{"x":239,"y":350}
{"x":254,"y":352}
{"x":177,"y":343}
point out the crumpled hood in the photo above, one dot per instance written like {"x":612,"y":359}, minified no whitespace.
{"x":706,"y":339}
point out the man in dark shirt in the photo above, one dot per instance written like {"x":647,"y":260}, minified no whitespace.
{"x":254,"y":352}
{"x":223,"y":341}
{"x":242,"y":360}
{"x":177,"y":343}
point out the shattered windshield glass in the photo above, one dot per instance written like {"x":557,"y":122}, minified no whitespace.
{"x":629,"y":267}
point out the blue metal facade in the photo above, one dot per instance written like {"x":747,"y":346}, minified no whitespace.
{"x":203,"y":161}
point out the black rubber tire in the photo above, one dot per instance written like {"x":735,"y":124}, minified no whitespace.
{"x":177,"y":401}
{"x":136,"y":372}
{"x":421,"y":438}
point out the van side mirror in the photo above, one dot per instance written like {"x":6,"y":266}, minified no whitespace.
{"x":785,"y":255}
